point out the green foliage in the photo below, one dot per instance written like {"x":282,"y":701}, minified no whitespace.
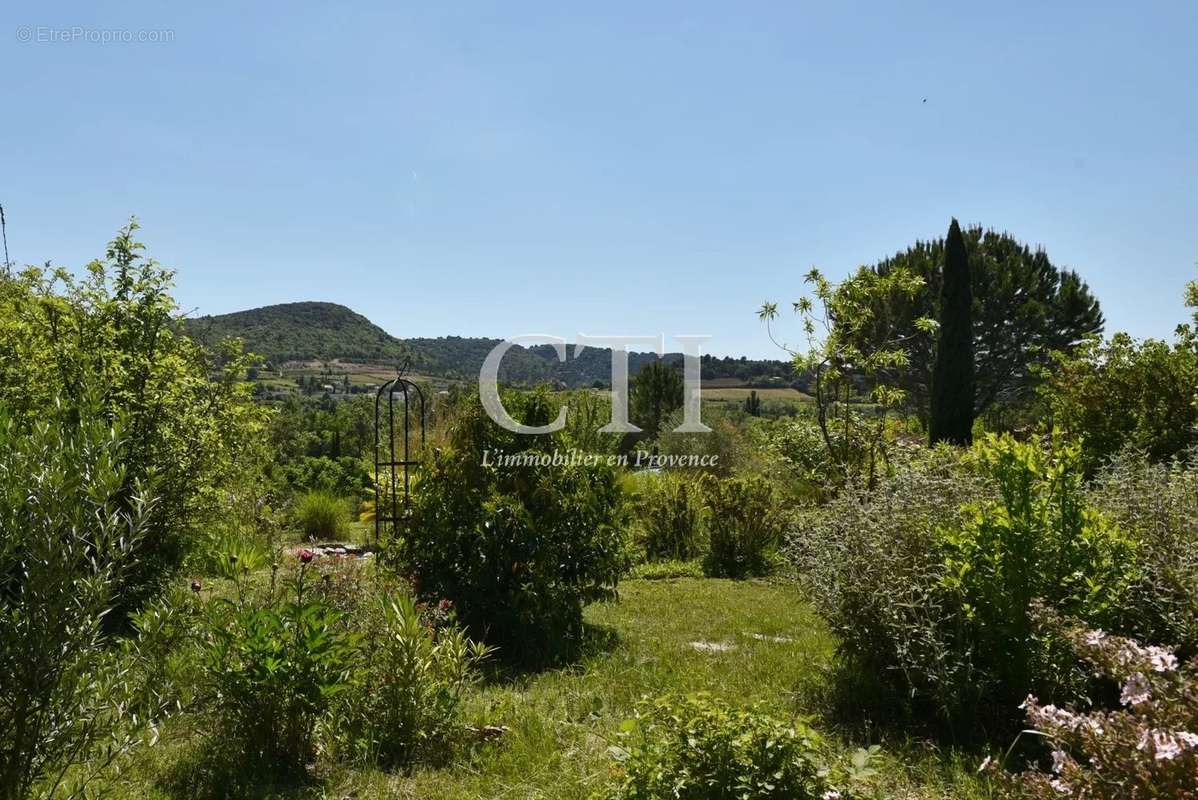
{"x":1024,"y":307}
{"x":656,"y":392}
{"x":302,"y":331}
{"x":274,"y":673}
{"x":951,"y":418}
{"x":519,"y":549}
{"x":669,"y":513}
{"x":1038,"y":540}
{"x":322,"y":516}
{"x":723,"y":445}
{"x":870,"y":561}
{"x":753,"y":405}
{"x":667,"y":570}
{"x":1126,"y":394}
{"x":71,"y":535}
{"x":744,"y":527}
{"x":696,"y":748}
{"x":189,"y":421}
{"x":1158,"y":505}
{"x":854,"y":348}
{"x":405,"y":704}
{"x":928,"y":580}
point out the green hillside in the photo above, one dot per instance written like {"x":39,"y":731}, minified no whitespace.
{"x":327,"y":331}
{"x":302,"y":331}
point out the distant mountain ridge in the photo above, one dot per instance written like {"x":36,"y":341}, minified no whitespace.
{"x":309,"y":331}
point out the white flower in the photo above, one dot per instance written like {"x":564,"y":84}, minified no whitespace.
{"x":831,"y":794}
{"x":1059,"y":759}
{"x":1190,"y":740}
{"x":1094,"y":638}
{"x":1162,"y":660}
{"x":1135,"y":691}
{"x":1164,"y":746}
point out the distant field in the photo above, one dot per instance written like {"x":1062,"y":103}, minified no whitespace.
{"x":738,"y":395}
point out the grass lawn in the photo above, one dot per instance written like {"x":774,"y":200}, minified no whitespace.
{"x":744,"y":642}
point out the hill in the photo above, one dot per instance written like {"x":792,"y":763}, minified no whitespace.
{"x":327,"y":332}
{"x":300,"y":332}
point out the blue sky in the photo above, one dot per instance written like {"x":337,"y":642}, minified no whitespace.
{"x":504,"y":168}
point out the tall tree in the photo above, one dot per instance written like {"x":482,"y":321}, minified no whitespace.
{"x":656,"y":393}
{"x":1024,"y":307}
{"x":953,"y":370}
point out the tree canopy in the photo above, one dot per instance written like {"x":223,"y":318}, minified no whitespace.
{"x":1024,"y":307}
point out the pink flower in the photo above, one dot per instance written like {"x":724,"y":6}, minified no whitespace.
{"x":306,"y":555}
{"x":1162,"y":660}
{"x":1135,"y":691}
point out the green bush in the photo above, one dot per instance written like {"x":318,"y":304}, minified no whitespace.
{"x":274,"y":673}
{"x":695,"y":748}
{"x":928,"y":580}
{"x":405,"y":704}
{"x":190,"y":421}
{"x":519,"y":549}
{"x":669,"y":514}
{"x":1157,"y":504}
{"x":743,"y":524}
{"x":1126,"y":393}
{"x":70,"y":537}
{"x":1038,"y":540}
{"x":322,"y":516}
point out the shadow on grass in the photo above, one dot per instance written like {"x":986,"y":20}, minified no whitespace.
{"x":571,"y":654}
{"x":213,"y":769}
{"x":860,"y":705}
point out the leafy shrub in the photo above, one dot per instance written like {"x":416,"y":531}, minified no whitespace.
{"x":344,"y":477}
{"x":275,"y":672}
{"x":927,"y":580}
{"x":1126,"y":394}
{"x":743,"y":524}
{"x":696,"y":748}
{"x":114,"y":333}
{"x":869,"y":560}
{"x":322,"y":516}
{"x":670,"y":516}
{"x":1157,"y":504}
{"x":518,"y":549}
{"x":724,"y":446}
{"x":71,"y":535}
{"x":1148,"y":748}
{"x":405,"y":705}
{"x":1037,"y":540}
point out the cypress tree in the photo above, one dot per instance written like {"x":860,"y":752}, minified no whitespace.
{"x":952,"y":373}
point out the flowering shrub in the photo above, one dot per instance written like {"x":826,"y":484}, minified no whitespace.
{"x":1147,"y":748}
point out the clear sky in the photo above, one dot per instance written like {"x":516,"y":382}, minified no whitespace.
{"x":618,"y":167}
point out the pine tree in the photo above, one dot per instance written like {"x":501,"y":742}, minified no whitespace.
{"x":952,"y":373}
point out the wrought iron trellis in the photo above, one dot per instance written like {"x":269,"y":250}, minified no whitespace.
{"x":387,"y":506}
